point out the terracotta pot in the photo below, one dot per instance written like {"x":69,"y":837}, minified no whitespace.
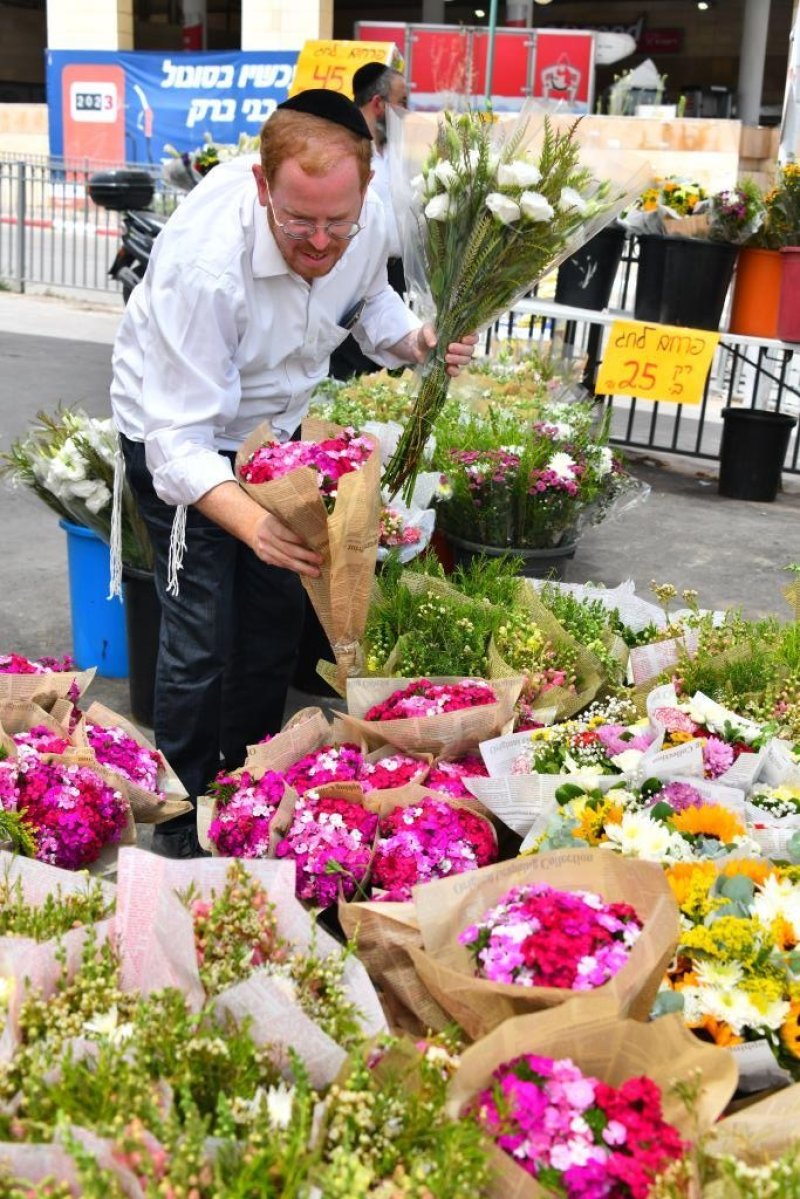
{"x":756,"y":293}
{"x":789,"y":306}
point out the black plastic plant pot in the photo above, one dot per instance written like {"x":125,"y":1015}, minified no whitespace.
{"x":683,"y":281}
{"x":754,"y":445}
{"x":586,"y":278}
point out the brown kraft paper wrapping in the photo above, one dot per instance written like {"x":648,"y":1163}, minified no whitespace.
{"x":383,"y":933}
{"x":20,"y":716}
{"x":50,"y":685}
{"x":146,"y":807}
{"x":307,"y":730}
{"x":762,"y":1130}
{"x":448,"y":735}
{"x":447,"y":907}
{"x":607,"y":1047}
{"x":347,"y":538}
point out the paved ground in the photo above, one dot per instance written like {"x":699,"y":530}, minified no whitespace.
{"x":57,"y":350}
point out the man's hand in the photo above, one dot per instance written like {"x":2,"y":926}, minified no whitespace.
{"x":229,"y":506}
{"x":458,"y":353}
{"x":276,"y":544}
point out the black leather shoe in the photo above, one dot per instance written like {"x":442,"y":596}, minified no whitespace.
{"x":181,"y":844}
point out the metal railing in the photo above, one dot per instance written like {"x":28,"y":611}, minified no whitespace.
{"x":51,"y":232}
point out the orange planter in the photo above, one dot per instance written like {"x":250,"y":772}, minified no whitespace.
{"x":756,"y":293}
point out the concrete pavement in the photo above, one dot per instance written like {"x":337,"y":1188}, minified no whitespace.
{"x":58,"y":350}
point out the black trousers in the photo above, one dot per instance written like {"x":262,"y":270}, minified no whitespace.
{"x":228,"y":642}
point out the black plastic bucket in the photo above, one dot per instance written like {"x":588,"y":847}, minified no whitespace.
{"x":683,"y":281}
{"x":754,"y":445}
{"x":586,"y":278}
{"x":143,"y":624}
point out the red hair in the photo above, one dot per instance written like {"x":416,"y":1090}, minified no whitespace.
{"x":315,"y":144}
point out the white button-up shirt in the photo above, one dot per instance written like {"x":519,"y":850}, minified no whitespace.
{"x":222,"y":335}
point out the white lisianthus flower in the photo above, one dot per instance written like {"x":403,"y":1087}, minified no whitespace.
{"x":504,"y":208}
{"x":438,"y":208}
{"x":571,"y":200}
{"x":446,"y":174}
{"x":535,"y":207}
{"x":563,"y":466}
{"x":518,"y":174}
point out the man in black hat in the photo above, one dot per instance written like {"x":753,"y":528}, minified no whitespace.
{"x":257,"y":276}
{"x":376,"y":88}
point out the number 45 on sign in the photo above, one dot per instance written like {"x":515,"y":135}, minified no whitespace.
{"x":656,"y":362}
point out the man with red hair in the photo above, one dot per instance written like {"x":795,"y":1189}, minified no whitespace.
{"x":258,"y":275}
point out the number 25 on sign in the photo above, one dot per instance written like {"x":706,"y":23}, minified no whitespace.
{"x":656,"y":362}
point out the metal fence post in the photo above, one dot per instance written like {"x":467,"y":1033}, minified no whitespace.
{"x":20,"y":265}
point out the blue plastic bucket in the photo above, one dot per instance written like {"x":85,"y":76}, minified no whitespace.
{"x":98,"y":623}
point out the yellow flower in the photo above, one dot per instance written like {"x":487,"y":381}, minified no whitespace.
{"x":790,"y":1030}
{"x":729,"y":939}
{"x":710,"y":820}
{"x":690,"y":883}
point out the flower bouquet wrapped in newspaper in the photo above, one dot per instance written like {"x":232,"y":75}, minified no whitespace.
{"x":591,"y":1103}
{"x":233,"y":935}
{"x":326,"y":488}
{"x":475,"y":969}
{"x":128,"y":761}
{"x":24,"y":678}
{"x":495,"y":205}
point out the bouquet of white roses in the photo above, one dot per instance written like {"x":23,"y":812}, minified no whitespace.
{"x":493,"y":208}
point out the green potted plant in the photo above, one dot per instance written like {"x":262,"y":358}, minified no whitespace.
{"x":526,"y":485}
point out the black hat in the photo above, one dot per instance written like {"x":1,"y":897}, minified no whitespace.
{"x":367,"y":75}
{"x":330,"y":106}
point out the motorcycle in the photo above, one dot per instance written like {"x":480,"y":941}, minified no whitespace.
{"x":131,"y":193}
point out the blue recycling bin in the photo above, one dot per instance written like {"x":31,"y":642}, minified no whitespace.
{"x":98,"y":623}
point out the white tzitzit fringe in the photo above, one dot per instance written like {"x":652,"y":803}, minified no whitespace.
{"x":115,"y":547}
{"x":177,"y":548}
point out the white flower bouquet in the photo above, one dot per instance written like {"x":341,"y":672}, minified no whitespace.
{"x":490,"y":208}
{"x":67,"y":460}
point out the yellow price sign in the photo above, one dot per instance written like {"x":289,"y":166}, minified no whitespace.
{"x":656,"y":362}
{"x":332,"y":64}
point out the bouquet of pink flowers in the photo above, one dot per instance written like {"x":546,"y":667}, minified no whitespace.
{"x":330,"y":840}
{"x":448,"y":777}
{"x":326,"y":488}
{"x":244,"y":810}
{"x":21,"y":678}
{"x":329,"y":764}
{"x":114,"y":748}
{"x":575,"y":1134}
{"x":537,"y":936}
{"x":41,"y":740}
{"x":428,"y":840}
{"x":391,"y":771}
{"x":424,"y":698}
{"x":72,"y":812}
{"x":329,"y":459}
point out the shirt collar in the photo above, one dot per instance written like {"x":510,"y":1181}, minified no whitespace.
{"x":267,"y":258}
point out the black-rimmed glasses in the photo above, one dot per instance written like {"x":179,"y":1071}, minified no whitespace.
{"x":298,"y":229}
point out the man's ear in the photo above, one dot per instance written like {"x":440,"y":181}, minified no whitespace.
{"x":261,"y":183}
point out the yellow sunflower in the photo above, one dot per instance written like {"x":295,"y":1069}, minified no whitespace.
{"x":710,"y":820}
